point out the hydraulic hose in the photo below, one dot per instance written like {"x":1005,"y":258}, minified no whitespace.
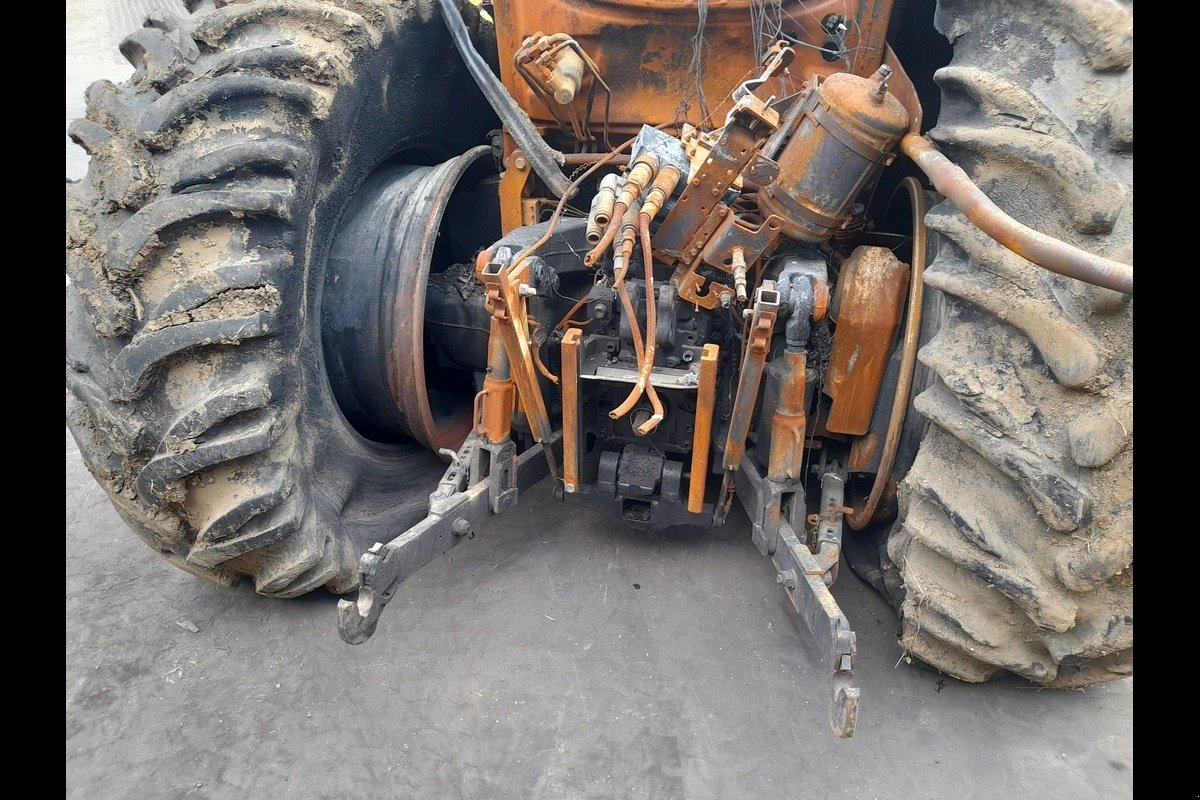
{"x":1045,"y":251}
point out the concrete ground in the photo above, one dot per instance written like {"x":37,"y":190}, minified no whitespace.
{"x":557,"y":655}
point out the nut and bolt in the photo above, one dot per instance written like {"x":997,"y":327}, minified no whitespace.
{"x":726,"y":299}
{"x":525,"y":290}
{"x":786,"y":579}
{"x":520,"y":163}
{"x":461,"y":527}
{"x":880,"y":91}
{"x":599,"y":311}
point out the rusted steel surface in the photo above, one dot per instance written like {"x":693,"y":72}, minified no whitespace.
{"x":513,"y":182}
{"x":570,"y":408}
{"x":871,"y":293}
{"x":820,"y":300}
{"x":1045,"y":251}
{"x":738,"y":233}
{"x":845,"y":136}
{"x":530,"y":208}
{"x":696,"y":214}
{"x":873,"y":42}
{"x":908,"y":358}
{"x":762,"y":325}
{"x":864,"y":451}
{"x":406,"y":364}
{"x":642,"y":47}
{"x":706,"y":395}
{"x":789,"y":421}
{"x":901,"y":87}
{"x":583,"y":159}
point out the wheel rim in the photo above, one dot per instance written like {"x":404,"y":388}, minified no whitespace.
{"x":394,"y":234}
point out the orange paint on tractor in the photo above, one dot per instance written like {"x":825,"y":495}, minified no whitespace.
{"x":643,"y":50}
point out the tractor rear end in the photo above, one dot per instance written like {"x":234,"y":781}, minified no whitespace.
{"x":687,"y":270}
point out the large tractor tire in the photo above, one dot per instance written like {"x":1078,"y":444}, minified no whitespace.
{"x":1013,"y":550}
{"x":198,"y":251}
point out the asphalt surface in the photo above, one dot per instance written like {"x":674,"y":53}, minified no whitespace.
{"x":556,"y":655}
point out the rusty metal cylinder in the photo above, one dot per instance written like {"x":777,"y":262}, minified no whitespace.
{"x":499,"y":393}
{"x":789,"y":421}
{"x":845,"y":135}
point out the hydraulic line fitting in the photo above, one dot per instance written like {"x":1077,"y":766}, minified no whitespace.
{"x":660,"y":191}
{"x":640,"y":175}
{"x":605,"y":198}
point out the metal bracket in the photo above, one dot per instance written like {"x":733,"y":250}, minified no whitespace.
{"x":829,"y":523}
{"x":506,"y":304}
{"x":463,"y":501}
{"x":762,"y":325}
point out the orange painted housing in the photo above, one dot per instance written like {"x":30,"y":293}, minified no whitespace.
{"x":644,"y":52}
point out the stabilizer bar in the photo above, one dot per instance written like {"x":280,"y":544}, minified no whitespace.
{"x":804,"y":575}
{"x":462,"y":502}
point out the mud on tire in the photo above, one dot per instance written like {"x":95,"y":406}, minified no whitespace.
{"x":196,"y":247}
{"x":1014,"y":546}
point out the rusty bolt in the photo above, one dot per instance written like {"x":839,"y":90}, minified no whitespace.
{"x":882,"y":74}
{"x":461,"y":527}
{"x":786,"y":579}
{"x":520,"y":163}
